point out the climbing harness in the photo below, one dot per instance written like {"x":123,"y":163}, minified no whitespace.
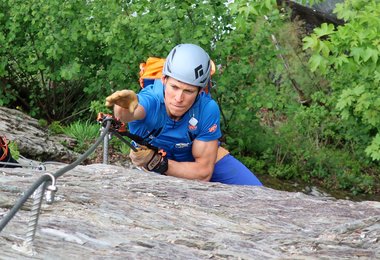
{"x":47,"y":182}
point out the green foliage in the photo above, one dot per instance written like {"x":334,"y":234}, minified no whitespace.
{"x":56,"y":128}
{"x":373,"y":149}
{"x":119,"y":146}
{"x":7,"y":95}
{"x":349,"y":57}
{"x":14,"y":150}
{"x":85,"y":133}
{"x":261,"y":109}
{"x":253,"y":83}
{"x":97,"y":106}
{"x":73,"y":52}
{"x":42,"y":122}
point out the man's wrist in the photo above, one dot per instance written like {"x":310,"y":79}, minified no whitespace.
{"x":158,"y":163}
{"x":162,"y":167}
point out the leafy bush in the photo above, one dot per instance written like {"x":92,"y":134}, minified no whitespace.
{"x":349,"y":57}
{"x":71,"y":53}
{"x":288,"y":116}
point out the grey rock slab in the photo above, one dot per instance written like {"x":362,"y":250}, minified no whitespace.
{"x":111,"y":212}
{"x":32,"y":140}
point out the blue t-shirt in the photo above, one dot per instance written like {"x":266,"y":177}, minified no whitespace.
{"x":201,"y":122}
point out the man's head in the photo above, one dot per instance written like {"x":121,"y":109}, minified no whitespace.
{"x":186,"y":71}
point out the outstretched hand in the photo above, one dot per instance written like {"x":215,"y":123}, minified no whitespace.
{"x":124,"y":98}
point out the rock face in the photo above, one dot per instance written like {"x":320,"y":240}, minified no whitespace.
{"x":31,"y":139}
{"x":317,"y":13}
{"x":112,"y":212}
{"x":115,"y":212}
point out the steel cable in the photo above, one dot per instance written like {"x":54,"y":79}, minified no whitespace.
{"x":4,"y":221}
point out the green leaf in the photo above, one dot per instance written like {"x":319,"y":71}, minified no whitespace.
{"x":269,"y":4}
{"x":357,"y":53}
{"x":70,"y":71}
{"x":315,"y":61}
{"x":377,"y":77}
{"x":345,"y":99}
{"x":371,"y":53}
{"x":340,"y":60}
{"x":324,"y":48}
{"x":310,"y":42}
{"x":324,"y":30}
{"x":343,"y":12}
{"x":372,"y":117}
{"x":358,"y":90}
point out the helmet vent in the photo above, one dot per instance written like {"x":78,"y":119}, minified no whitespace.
{"x":168,"y":68}
{"x":174,"y":51}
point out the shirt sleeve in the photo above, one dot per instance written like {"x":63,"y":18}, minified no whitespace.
{"x":151,"y":104}
{"x":146,"y":99}
{"x":210,"y":126}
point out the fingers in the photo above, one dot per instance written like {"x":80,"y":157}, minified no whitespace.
{"x":125,"y":93}
{"x":124,"y":98}
{"x":116,"y":96}
{"x":110,"y":100}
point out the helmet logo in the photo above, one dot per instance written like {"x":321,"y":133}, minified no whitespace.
{"x":198,"y":71}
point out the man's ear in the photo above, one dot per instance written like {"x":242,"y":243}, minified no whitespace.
{"x":163,"y":79}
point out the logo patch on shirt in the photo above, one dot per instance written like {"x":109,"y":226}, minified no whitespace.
{"x":182,"y":145}
{"x":213,"y":128}
{"x":193,"y":124}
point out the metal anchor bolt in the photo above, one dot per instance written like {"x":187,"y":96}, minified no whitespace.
{"x":51,"y":190}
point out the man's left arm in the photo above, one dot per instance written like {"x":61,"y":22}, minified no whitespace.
{"x":202,"y":168}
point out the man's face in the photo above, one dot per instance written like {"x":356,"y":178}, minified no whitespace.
{"x":179,"y":97}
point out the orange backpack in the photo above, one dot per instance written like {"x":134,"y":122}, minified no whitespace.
{"x":152,"y":70}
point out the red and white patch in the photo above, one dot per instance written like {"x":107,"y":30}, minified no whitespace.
{"x":213,"y":128}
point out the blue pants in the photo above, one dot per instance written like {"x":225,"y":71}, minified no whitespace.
{"x":230,"y":170}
